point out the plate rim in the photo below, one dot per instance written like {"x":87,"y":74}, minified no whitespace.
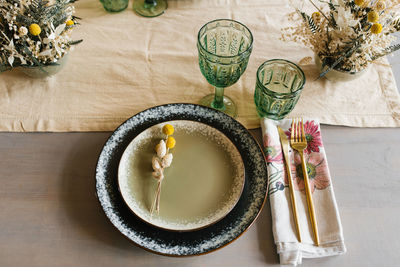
{"x":242,"y":176}
{"x":259,"y":147}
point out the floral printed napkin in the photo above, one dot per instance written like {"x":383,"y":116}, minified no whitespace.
{"x":290,"y":251}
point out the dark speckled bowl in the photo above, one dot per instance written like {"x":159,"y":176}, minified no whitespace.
{"x":182,"y":243}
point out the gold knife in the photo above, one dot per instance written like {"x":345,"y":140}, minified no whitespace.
{"x":285,"y":148}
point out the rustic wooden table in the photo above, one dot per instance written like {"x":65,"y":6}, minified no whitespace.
{"x":49,"y":215}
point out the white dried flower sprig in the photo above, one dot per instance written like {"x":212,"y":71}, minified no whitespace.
{"x":160,"y":161}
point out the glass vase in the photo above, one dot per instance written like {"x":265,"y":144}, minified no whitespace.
{"x":44,"y":70}
{"x":336,"y":75}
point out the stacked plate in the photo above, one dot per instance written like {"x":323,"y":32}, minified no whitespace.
{"x":212,"y":192}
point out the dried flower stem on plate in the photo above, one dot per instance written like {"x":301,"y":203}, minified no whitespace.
{"x":160,"y":161}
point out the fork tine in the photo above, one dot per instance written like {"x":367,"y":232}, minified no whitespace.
{"x":298,"y":126}
{"x":303,"y":133}
{"x":292,"y":134}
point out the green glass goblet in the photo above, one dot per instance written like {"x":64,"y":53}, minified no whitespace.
{"x":224,"y":48}
{"x":149,"y":8}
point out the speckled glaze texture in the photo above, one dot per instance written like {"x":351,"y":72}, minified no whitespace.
{"x":182,"y":243}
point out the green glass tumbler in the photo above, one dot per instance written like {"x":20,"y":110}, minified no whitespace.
{"x":149,"y":8}
{"x":115,"y":5}
{"x":278,"y":88}
{"x":224,"y":48}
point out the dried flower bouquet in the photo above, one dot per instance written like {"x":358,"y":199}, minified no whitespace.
{"x":35,"y":32}
{"x":346,"y":35}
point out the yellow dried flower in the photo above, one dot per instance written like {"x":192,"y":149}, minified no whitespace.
{"x":168,"y":129}
{"x":373,"y":16}
{"x":171,"y":142}
{"x":35,"y":29}
{"x":316,"y":16}
{"x":380,"y":5}
{"x":70,"y":22}
{"x":359,"y":2}
{"x":376,"y":28}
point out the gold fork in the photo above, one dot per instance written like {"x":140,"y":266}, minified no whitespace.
{"x":298,"y":142}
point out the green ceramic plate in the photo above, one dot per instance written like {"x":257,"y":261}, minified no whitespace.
{"x":202,"y":185}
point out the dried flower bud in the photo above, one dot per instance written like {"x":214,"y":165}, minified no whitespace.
{"x":161,"y":149}
{"x":316,"y":16}
{"x":376,"y":28}
{"x":359,"y":2}
{"x":69,"y":22}
{"x":171,"y":142}
{"x":168,"y":129}
{"x":373,"y":16}
{"x":380,"y":5}
{"x":158,"y":175}
{"x":155,"y":163}
{"x":35,"y":29}
{"x":166,"y":160}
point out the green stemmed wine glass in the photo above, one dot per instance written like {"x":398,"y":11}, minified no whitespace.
{"x":149,"y":8}
{"x":224,"y":48}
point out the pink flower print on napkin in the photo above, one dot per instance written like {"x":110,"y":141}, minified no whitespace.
{"x":313,"y":136}
{"x":317,"y":172}
{"x":272,"y":150}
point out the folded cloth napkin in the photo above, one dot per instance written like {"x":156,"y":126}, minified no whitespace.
{"x":330,"y":231}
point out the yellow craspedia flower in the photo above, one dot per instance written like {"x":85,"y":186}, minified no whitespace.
{"x":316,"y":16}
{"x":171,"y":142}
{"x":376,"y":28}
{"x":373,"y":16}
{"x":70,"y":22}
{"x":168,"y":129}
{"x":358,"y":2}
{"x":35,"y":29}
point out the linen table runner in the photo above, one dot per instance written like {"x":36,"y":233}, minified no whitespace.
{"x":128,"y":63}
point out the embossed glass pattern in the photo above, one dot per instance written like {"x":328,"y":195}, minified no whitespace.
{"x":278,"y":88}
{"x":115,"y":5}
{"x":224,"y":48}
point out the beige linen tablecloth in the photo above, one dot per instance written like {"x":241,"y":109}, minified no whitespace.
{"x":129,"y":63}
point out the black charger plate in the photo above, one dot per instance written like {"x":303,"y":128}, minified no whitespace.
{"x":182,"y":243}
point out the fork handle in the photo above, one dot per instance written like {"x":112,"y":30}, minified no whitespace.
{"x":309,"y":198}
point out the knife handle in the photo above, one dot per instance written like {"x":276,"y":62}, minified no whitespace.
{"x":292,"y":197}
